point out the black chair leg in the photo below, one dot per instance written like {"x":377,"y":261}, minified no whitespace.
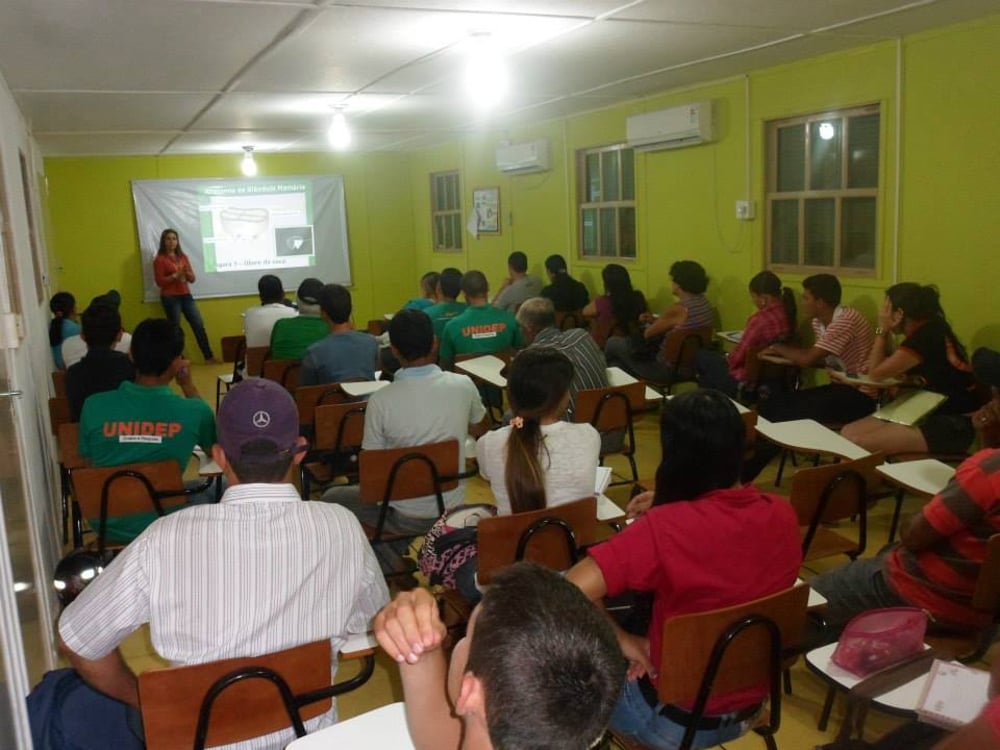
{"x":894,"y":525}
{"x":781,"y":466}
{"x":787,"y":680}
{"x":824,"y":717}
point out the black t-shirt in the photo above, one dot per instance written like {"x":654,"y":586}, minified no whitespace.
{"x":943,"y":366}
{"x":567,"y":294}
{"x":100,"y":370}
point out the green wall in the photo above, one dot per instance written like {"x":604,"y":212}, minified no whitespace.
{"x":943,"y":114}
{"x":94,"y":235}
{"x":940,"y":121}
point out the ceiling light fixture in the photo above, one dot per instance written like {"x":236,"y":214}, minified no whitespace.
{"x":486,"y":78}
{"x":248,"y":166}
{"x":339,"y":133}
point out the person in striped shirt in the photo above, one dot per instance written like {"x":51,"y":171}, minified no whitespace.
{"x":941,"y":550}
{"x":843,"y":340}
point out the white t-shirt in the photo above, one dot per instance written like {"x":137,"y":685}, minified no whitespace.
{"x":424,"y":405}
{"x":258,"y":322}
{"x":570,"y":459}
{"x":74,"y":348}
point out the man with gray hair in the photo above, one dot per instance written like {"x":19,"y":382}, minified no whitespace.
{"x":537,"y":319}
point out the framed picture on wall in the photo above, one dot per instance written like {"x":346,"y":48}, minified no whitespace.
{"x":486,"y":204}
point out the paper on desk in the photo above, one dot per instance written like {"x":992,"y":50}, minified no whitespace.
{"x":607,"y":509}
{"x":732,"y":337}
{"x":618,"y":377}
{"x":486,"y":368}
{"x":911,"y":407}
{"x":363,"y":388}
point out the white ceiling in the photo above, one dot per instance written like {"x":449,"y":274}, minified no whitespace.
{"x":209,"y":76}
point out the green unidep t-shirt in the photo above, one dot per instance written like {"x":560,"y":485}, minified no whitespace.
{"x":482,"y":329}
{"x":138,"y":423}
{"x":290,"y":337}
{"x":443,"y":312}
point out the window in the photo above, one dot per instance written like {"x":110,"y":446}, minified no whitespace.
{"x":822,"y":192}
{"x":446,"y":211}
{"x":606,"y":192}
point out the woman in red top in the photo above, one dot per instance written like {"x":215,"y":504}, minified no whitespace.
{"x":173,"y":273}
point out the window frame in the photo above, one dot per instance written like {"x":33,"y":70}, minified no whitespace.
{"x":771,"y":193}
{"x":616,"y":205}
{"x":449,"y":214}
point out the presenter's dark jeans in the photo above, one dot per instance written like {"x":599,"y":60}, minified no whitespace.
{"x":174,"y":305}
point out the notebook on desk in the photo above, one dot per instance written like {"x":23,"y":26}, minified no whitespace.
{"x":911,"y":407}
{"x":954,"y":694}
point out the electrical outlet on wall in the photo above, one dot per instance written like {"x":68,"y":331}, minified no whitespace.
{"x":745,"y":210}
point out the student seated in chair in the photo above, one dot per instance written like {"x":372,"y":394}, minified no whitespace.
{"x":539,"y":667}
{"x":942,"y":549}
{"x":145,"y":420}
{"x":701,"y":542}
{"x":691,"y":311}
{"x":258,"y":572}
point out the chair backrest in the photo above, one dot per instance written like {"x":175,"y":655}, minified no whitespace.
{"x":835,"y":491}
{"x":308,"y":397}
{"x":757,"y":370}
{"x":339,"y":427}
{"x":68,"y":440}
{"x":233,"y":348}
{"x":59,"y":413}
{"x":377,"y":326}
{"x":540,"y":539}
{"x":282,"y":371}
{"x":610,"y":408}
{"x":171,"y":699}
{"x":59,"y":383}
{"x":571,"y":319}
{"x":824,"y":494}
{"x":406,"y":473}
{"x":681,"y":345}
{"x":254,"y":357}
{"x":986,"y":596}
{"x":130,"y":488}
{"x":690,"y":640}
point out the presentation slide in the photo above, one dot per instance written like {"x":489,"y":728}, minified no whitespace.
{"x":236,"y":230}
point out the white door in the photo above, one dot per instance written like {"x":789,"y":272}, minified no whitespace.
{"x":29,"y":534}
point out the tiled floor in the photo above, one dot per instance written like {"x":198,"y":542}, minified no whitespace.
{"x":799,"y":711}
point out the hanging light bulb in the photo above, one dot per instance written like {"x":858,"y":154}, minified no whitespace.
{"x":339,"y":133}
{"x":486,"y":77}
{"x":248,"y":166}
{"x":826,"y":131}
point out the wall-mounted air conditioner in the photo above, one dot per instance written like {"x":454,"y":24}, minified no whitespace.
{"x":687,"y":125}
{"x":523,"y":158}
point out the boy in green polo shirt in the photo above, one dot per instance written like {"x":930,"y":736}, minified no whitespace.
{"x":146,"y":420}
{"x":482,"y":328}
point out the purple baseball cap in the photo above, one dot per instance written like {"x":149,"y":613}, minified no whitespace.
{"x":257,"y":409}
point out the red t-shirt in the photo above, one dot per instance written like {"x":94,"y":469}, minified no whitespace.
{"x":164,"y":267}
{"x":992,"y":715}
{"x":966,"y":513}
{"x":725,"y":548}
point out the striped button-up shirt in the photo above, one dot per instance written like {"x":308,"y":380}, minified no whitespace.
{"x":260,"y":572}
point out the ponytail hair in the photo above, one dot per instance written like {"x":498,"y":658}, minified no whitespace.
{"x":922,"y":303}
{"x":767,"y":282}
{"x":62,"y":305}
{"x":538,"y":381}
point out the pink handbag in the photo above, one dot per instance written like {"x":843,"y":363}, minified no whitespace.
{"x":880,"y":638}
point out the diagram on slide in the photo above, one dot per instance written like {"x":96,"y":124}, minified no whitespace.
{"x":257,"y":227}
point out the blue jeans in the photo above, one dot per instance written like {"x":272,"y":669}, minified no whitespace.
{"x":174,"y":305}
{"x":853,"y":589}
{"x":643,"y":723}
